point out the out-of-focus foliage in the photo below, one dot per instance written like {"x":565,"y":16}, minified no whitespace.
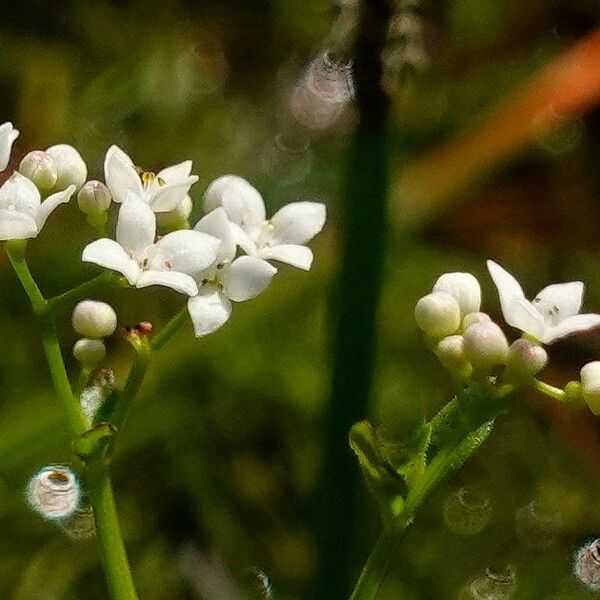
{"x":216,"y":473}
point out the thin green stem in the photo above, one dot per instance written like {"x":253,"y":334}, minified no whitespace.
{"x":549,"y":390}
{"x":170,"y":329}
{"x":15,"y":250}
{"x":110,"y":541}
{"x":68,"y":298}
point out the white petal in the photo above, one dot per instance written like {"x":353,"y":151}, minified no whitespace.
{"x":297,"y":256}
{"x":464,"y":287}
{"x":243,"y":240}
{"x":7,"y":137}
{"x":217,"y":224}
{"x":242,"y":202}
{"x":571,"y":325}
{"x":136,"y":226}
{"x":186,"y":251}
{"x":246,"y":277}
{"x":521,"y":314}
{"x":209,"y":310}
{"x":163,"y":198}
{"x":50,"y":203}
{"x":298,"y":222}
{"x":120,"y":175}
{"x":107,"y":253}
{"x":20,"y":194}
{"x":508,"y":286}
{"x":560,"y":301}
{"x":16,"y":225}
{"x":180,"y":282}
{"x":176,"y":173}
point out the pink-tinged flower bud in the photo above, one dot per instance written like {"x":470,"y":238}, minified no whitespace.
{"x":39,"y":167}
{"x":587,"y":565}
{"x":590,"y":386}
{"x":464,"y":288}
{"x":89,"y":352}
{"x":524,"y":361}
{"x":54,"y":492}
{"x":476,"y":317}
{"x":438,"y":314}
{"x":451,"y":352}
{"x":94,"y":198}
{"x":70,"y":167}
{"x":485,"y":345}
{"x":94,"y":319}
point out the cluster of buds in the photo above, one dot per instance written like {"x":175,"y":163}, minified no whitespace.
{"x":471,"y":345}
{"x":94,"y":320}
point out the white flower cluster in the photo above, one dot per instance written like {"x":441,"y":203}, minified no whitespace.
{"x":468,"y":343}
{"x":224,"y":258}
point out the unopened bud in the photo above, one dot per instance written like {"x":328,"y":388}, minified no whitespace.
{"x":525,"y":360}
{"x":465,"y":289}
{"x":94,"y":198}
{"x":476,"y":317}
{"x":438,"y":314}
{"x":94,"y":319}
{"x":176,"y":218}
{"x":54,"y":492}
{"x":70,"y":167}
{"x":38,"y":166}
{"x":485,"y":345}
{"x":590,"y":386}
{"x":451,"y":352}
{"x":587,"y":565}
{"x":89,"y":352}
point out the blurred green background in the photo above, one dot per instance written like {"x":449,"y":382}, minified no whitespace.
{"x":217,"y":475}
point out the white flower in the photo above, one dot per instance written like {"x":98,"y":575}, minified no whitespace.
{"x":163,"y":192}
{"x":465,"y":289}
{"x":22,"y":212}
{"x":282,"y":238}
{"x":70,"y":167}
{"x":227,"y":279}
{"x":551,"y":315}
{"x":172,"y":261}
{"x":8,"y":134}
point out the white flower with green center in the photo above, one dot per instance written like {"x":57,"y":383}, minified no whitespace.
{"x":173,"y":261}
{"x":553,"y":313}
{"x":282,"y":238}
{"x":8,"y":134}
{"x":227,"y":279}
{"x":22,"y":212}
{"x":163,"y":192}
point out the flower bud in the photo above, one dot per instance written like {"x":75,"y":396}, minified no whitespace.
{"x":94,"y":319}
{"x":54,"y":492}
{"x":451,"y":352}
{"x":38,"y":166}
{"x":587,"y":565}
{"x":525,"y":360}
{"x":590,"y":386}
{"x":70,"y":167}
{"x":176,"y":218}
{"x":89,"y":352}
{"x":94,"y":198}
{"x":465,"y":289}
{"x":476,"y":317}
{"x":485,"y":345}
{"x":438,"y":314}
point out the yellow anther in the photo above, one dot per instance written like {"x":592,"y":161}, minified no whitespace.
{"x":148,"y":177}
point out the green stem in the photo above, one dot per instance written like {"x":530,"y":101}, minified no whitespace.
{"x":371,"y":578}
{"x":15,"y":250}
{"x":549,"y":390}
{"x":110,"y":541}
{"x":170,"y":329}
{"x":67,"y":299}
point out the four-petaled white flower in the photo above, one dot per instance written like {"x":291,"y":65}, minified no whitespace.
{"x":281,"y":238}
{"x":8,"y":134}
{"x":173,"y":261}
{"x":22,"y":212}
{"x":227,"y":279}
{"x":163,"y":192}
{"x":553,"y":313}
